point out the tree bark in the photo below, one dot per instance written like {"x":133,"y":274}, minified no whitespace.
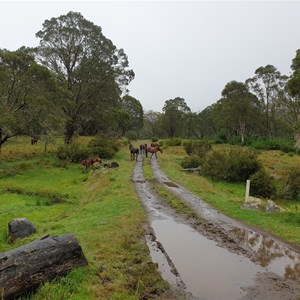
{"x":24,"y":269}
{"x":69,"y":132}
{"x":297,"y":139}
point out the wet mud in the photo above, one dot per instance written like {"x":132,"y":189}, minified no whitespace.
{"x":213,"y":256}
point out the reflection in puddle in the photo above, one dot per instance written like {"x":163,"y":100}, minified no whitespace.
{"x":270,"y":254}
{"x":207,"y":270}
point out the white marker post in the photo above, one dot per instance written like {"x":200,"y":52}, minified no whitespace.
{"x":247,"y":191}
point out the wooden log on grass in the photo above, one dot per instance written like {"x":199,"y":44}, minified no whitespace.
{"x":24,"y":269}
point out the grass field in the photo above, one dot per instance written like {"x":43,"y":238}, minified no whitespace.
{"x":102,"y":210}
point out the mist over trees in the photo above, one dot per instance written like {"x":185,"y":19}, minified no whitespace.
{"x":75,"y":82}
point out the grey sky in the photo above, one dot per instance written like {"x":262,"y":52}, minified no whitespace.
{"x":187,"y":49}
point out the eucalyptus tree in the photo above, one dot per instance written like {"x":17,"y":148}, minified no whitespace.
{"x":121,"y":122}
{"x":205,"y":122}
{"x":129,"y":117}
{"x":27,"y":96}
{"x":135,"y":111}
{"x":267,"y":85}
{"x":238,"y":108}
{"x":151,"y":124}
{"x":94,"y":72}
{"x":190,"y":124}
{"x":174,"y":112}
{"x":292,"y":101}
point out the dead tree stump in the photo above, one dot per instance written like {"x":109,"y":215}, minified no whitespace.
{"x":23,"y":269}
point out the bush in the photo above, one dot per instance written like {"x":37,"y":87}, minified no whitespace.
{"x":215,"y":165}
{"x":235,"y":165}
{"x":154,"y":139}
{"x":235,"y":140}
{"x":104,"y":147}
{"x":291,"y":187}
{"x":242,"y":163}
{"x":73,"y":153}
{"x":262,"y":184}
{"x":173,"y":142}
{"x":265,"y":143}
{"x":161,"y":143}
{"x":192,"y":161}
{"x":188,"y":147}
{"x":221,"y":138}
{"x":199,"y":148}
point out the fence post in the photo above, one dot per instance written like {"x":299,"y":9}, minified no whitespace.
{"x":247,"y":191}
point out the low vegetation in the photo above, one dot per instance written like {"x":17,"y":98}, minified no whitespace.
{"x":99,"y":207}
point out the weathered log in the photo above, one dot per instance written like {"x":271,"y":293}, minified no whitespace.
{"x":192,"y":170}
{"x":23,"y":269}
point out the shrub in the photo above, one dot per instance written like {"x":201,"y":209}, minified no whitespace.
{"x":200,"y":147}
{"x":192,"y":161}
{"x":188,"y":147}
{"x":73,"y":153}
{"x":221,"y":138}
{"x":291,"y":187}
{"x":242,"y":163}
{"x":265,"y":143}
{"x":215,"y":165}
{"x":173,"y":142}
{"x":104,"y":147}
{"x":235,"y":140}
{"x":262,"y":184}
{"x":161,"y":143}
{"x":235,"y":165}
{"x":154,"y":139}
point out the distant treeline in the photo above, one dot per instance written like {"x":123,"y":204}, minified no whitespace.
{"x":75,"y":82}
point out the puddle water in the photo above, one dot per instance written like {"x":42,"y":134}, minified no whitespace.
{"x":164,"y":267}
{"x":208,"y":271}
{"x":272,"y":255}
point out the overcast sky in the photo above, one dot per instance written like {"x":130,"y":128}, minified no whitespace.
{"x":187,"y":49}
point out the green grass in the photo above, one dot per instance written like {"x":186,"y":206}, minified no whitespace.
{"x":103,"y":212}
{"x":228,"y":197}
{"x":101,"y":209}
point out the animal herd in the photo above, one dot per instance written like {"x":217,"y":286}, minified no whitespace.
{"x":144,"y":149}
{"x":134,"y":152}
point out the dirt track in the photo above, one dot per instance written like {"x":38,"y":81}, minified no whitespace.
{"x":275,"y":265}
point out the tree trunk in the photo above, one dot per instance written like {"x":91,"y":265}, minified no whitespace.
{"x":69,"y":132}
{"x":297,"y":139}
{"x":23,"y":269}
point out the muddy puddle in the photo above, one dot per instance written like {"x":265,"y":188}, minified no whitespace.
{"x":220,"y":259}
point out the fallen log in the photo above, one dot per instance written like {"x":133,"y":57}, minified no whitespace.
{"x":192,"y":170}
{"x":24,"y":269}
